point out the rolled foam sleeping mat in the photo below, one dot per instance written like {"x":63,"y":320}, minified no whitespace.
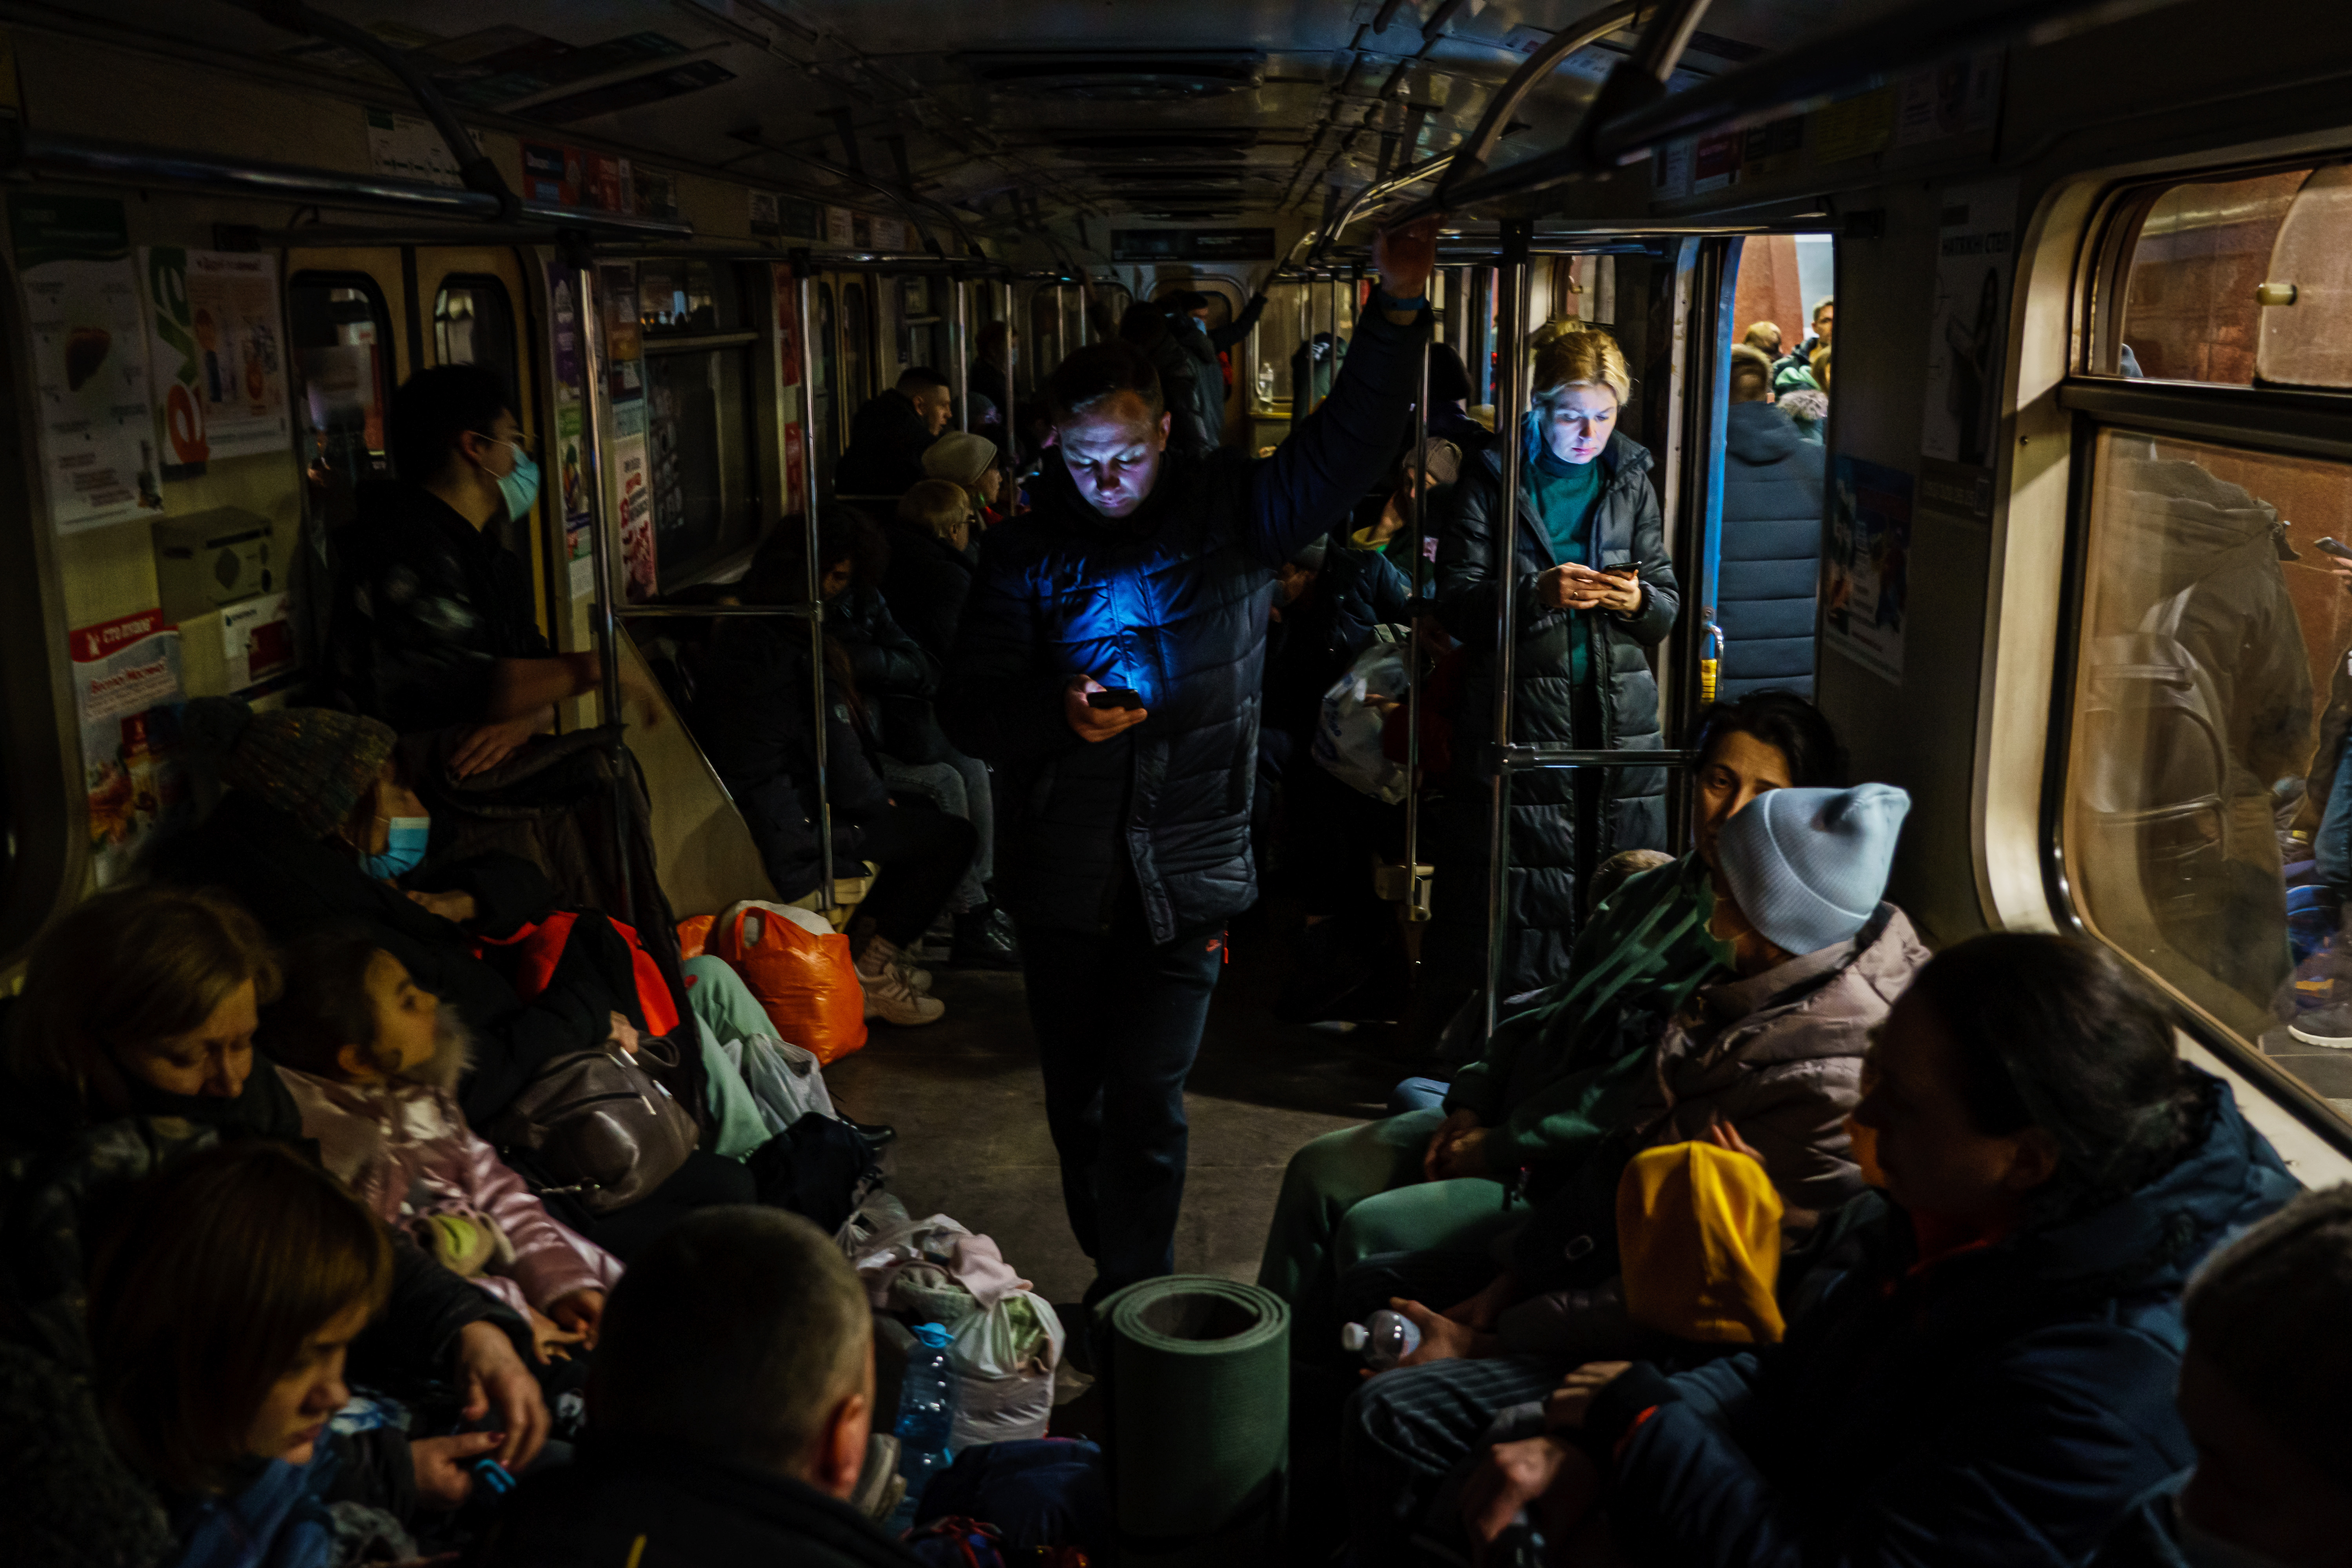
{"x":1198,"y":1397}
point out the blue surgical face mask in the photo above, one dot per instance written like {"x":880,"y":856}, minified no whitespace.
{"x":403,"y":852}
{"x":520,"y":484}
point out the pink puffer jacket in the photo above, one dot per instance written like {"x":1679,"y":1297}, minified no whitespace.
{"x":405,"y":1150}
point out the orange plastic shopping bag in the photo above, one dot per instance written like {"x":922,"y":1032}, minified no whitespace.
{"x":807,"y":984}
{"x":694,"y":935}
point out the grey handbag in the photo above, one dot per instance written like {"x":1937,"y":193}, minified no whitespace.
{"x":599,"y":1127}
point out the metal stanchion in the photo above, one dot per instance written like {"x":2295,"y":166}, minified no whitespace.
{"x":1012,"y":376}
{"x":1416,"y":907}
{"x":1511,"y":280}
{"x":819,"y":708}
{"x":963,"y":351}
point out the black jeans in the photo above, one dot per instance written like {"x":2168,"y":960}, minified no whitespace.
{"x":1119,"y":1021}
{"x":704,"y":1181}
{"x":923,"y":853}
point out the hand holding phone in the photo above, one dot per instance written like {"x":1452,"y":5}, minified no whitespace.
{"x":1118,"y":697}
{"x":1097,"y":712}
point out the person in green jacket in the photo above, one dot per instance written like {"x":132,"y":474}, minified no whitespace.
{"x":1557,"y":1074}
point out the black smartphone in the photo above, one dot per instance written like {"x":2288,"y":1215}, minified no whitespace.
{"x":1115,"y":697}
{"x":1623,"y":569}
{"x":2335,"y":547}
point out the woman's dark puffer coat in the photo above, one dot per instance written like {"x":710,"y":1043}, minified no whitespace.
{"x":1544,"y":906}
{"x":926,"y":586}
{"x":1171,"y":602}
{"x":1771,"y":553}
{"x":754,"y":723}
{"x":894,"y":677}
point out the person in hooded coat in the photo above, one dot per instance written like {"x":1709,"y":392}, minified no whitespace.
{"x":1189,"y":323}
{"x":1596,"y":593}
{"x":1991,"y":1381}
{"x":1144,"y":581}
{"x":1773,"y":481}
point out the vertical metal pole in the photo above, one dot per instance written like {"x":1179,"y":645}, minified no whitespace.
{"x":1414,"y":909}
{"x":1302,"y":395}
{"x":605,"y":550}
{"x":1012,"y":376}
{"x":962,"y":358}
{"x":818,"y":708}
{"x":1510,"y":392}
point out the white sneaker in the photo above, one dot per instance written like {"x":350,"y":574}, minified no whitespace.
{"x":890,"y":998}
{"x":918,"y":978}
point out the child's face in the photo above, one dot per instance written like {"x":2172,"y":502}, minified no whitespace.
{"x":295,"y":1411}
{"x":404,"y":1014}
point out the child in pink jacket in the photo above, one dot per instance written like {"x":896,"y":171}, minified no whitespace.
{"x":370,"y":1059}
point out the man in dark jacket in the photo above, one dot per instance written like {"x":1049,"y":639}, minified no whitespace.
{"x":1189,"y":323}
{"x":1771,"y":540}
{"x":432,"y":626}
{"x":733,"y":1397}
{"x":891,"y":433}
{"x":1144,"y":581}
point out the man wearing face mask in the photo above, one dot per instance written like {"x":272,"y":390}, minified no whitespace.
{"x":433,"y":624}
{"x":1108,"y":664}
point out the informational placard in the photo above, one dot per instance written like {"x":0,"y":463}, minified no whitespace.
{"x":616,"y":288}
{"x":409,"y":148}
{"x":1975,"y":256}
{"x":1866,"y":566}
{"x":766,"y":217}
{"x":633,"y":484}
{"x":126,"y":699}
{"x":256,"y":639}
{"x":218,"y":364}
{"x":840,"y":228}
{"x":788,"y":329}
{"x":90,"y":359}
{"x":567,"y":365}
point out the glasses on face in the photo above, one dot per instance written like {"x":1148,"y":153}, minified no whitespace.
{"x":520,"y":441}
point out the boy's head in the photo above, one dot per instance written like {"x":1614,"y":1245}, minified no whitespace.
{"x":452,"y":415}
{"x":2264,"y":1385}
{"x":351,"y":1012}
{"x":742,"y":1333}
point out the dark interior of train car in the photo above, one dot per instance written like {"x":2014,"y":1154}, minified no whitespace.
{"x":1041,"y":784}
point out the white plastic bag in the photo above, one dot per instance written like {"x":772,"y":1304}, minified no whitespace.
{"x":784,"y":1080}
{"x":1348,"y":735}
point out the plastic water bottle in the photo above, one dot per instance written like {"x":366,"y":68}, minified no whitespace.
{"x":927,"y":1413}
{"x":1384,"y":1338}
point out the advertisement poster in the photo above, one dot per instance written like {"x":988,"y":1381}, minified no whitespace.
{"x":126,"y":698}
{"x":219,"y":369}
{"x":256,"y":639}
{"x":90,"y":359}
{"x":632,"y":481}
{"x":616,"y":286}
{"x":1976,"y":256}
{"x":572,"y":479}
{"x":1866,"y":566}
{"x":788,"y":328}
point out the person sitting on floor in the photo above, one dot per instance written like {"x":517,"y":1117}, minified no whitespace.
{"x":2263,"y":1389}
{"x":1539,"y":1095}
{"x":1990,"y":1382}
{"x":370,"y":1058}
{"x":733,"y":1395}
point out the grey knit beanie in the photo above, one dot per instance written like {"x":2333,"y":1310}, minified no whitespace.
{"x":1809,"y":866}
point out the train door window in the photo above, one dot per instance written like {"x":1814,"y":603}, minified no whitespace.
{"x":341,"y":335}
{"x":2205,"y":807}
{"x":473,"y":323}
{"x":853,"y":338}
{"x":921,"y":324}
{"x":698,"y":385}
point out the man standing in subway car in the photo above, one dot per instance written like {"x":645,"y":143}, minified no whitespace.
{"x":1108,"y":664}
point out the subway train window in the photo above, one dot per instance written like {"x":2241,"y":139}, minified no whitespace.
{"x":2210,"y":696}
{"x":698,"y":378}
{"x":828,"y":382}
{"x":856,"y":333}
{"x":473,"y":323}
{"x":341,"y":333}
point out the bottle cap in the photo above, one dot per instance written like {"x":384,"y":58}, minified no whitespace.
{"x":1354,"y":1337}
{"x":933,"y":1335}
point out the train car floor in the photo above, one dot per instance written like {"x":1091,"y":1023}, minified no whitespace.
{"x":969,"y":1104}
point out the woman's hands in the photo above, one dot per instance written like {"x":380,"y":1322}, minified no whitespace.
{"x":1571,"y":587}
{"x":582,"y":1312}
{"x":1543,"y":1475}
{"x":492,"y":1375}
{"x":550,"y":1341}
{"x":444,"y":1468}
{"x":625,"y":1034}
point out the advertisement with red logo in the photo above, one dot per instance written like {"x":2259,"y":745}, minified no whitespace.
{"x":127,"y":697}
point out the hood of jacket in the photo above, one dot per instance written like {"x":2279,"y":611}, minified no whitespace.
{"x":1792,"y":1012}
{"x":1760,"y":433}
{"x":2185,"y":520}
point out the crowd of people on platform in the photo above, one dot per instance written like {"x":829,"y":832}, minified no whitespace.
{"x":1751,"y":1233}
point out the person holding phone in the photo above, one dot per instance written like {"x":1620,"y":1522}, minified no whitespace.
{"x":1596,"y":593}
{"x":1108,"y":665}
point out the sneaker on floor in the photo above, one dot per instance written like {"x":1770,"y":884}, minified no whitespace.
{"x":984,"y":938}
{"x":916,"y":977}
{"x":2330,"y":1026}
{"x":890,"y":998}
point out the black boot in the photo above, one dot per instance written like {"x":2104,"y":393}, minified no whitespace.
{"x":985,"y":940}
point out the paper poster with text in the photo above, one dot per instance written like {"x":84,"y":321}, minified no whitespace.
{"x":1866,"y":566}
{"x":126,"y":678}
{"x":1975,"y":256}
{"x":219,"y":366}
{"x":88,"y":338}
{"x":633,"y":486}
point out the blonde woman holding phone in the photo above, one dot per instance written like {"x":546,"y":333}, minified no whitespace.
{"x":1596,"y":593}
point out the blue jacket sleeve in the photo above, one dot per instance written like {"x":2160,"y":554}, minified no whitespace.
{"x":1339,"y":451}
{"x":2035,"y":1466}
{"x":1000,"y":700}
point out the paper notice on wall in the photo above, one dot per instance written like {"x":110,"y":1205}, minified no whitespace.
{"x":1975,"y":256}
{"x":256,"y":640}
{"x":219,"y":366}
{"x":1866,"y":565}
{"x":90,"y":359}
{"x":126,"y":699}
{"x":840,"y":228}
{"x":633,"y":497}
{"x":408,"y":148}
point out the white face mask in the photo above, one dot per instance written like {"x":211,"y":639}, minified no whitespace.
{"x":2204,"y":1549}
